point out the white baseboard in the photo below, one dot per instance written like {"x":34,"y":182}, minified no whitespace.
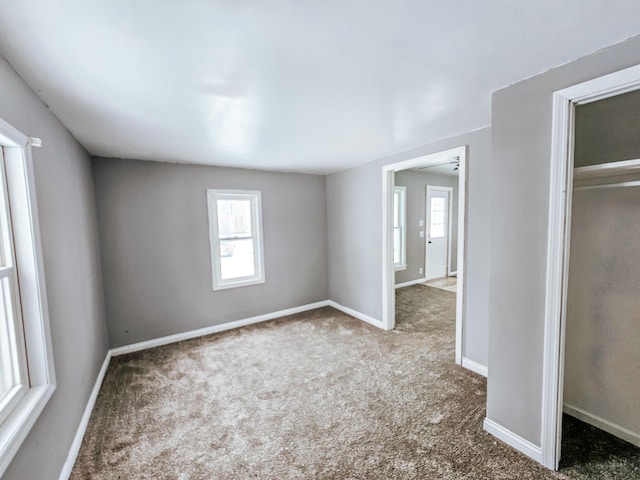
{"x":411,"y":282}
{"x":178,"y":337}
{"x":354,"y":313}
{"x":602,"y":424}
{"x":513,"y":440}
{"x":475,"y":367}
{"x":84,"y":421}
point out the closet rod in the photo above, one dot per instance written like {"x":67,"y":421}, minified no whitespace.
{"x":609,"y":185}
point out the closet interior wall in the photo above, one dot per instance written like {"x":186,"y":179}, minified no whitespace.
{"x":602,"y":358}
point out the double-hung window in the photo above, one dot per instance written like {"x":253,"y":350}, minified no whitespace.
{"x":14,"y":379}
{"x":399,"y":228}
{"x":27,"y":378}
{"x":235,"y":235}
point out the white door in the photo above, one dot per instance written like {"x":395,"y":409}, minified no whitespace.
{"x":437,"y":242}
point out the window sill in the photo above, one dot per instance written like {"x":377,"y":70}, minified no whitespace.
{"x":398,"y":268}
{"x":20,"y":421}
{"x":240,"y":283}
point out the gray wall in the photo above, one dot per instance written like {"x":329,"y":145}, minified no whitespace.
{"x":521,"y":140}
{"x":72,"y":269}
{"x":354,"y":199}
{"x":608,"y":130}
{"x":416,"y":183}
{"x":155,"y":246}
{"x":602,"y":368}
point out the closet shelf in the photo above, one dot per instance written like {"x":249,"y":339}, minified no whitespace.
{"x":607,"y":169}
{"x":599,"y":186}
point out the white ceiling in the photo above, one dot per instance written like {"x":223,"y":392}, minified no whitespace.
{"x":310,"y":86}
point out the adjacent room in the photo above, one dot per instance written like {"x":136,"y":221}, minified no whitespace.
{"x":352,"y":239}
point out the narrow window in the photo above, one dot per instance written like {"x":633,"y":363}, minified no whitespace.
{"x":27,"y":377}
{"x":13,"y":360}
{"x":399,"y":228}
{"x":235,"y":234}
{"x":438,"y":217}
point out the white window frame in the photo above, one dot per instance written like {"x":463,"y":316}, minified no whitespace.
{"x":20,"y":417}
{"x":402,"y":195}
{"x":13,"y":353}
{"x":255,"y":198}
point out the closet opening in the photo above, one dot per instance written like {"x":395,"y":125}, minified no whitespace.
{"x":592,"y":363}
{"x":602,"y":361}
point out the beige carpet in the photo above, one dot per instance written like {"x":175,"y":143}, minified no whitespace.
{"x":318,"y":395}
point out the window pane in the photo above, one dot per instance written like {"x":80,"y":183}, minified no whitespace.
{"x":234,"y":218}
{"x":236,"y":258}
{"x":9,"y":374}
{"x":6,"y":380}
{"x":438,"y":212}
{"x":437,"y":231}
{"x":396,"y":246}
{"x":396,"y":210}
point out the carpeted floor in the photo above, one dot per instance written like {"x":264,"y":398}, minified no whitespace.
{"x":317,"y":395}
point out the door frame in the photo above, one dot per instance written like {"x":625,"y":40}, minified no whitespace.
{"x":427,"y":217}
{"x":558,"y":241}
{"x":388,"y":272}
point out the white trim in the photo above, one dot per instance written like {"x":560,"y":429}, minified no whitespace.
{"x":475,"y":367}
{"x":411,"y":282}
{"x":602,"y":424}
{"x":513,"y":440}
{"x":22,"y":418}
{"x":561,"y":175}
{"x":178,"y":337}
{"x":607,"y":169}
{"x":616,"y":83}
{"x":461,"y":255}
{"x":11,"y":136}
{"x":402,"y":220}
{"x":255,"y":201}
{"x":359,"y":315}
{"x":560,"y":196}
{"x":453,"y":274}
{"x":84,"y":421}
{"x":388,"y":278}
{"x":388,"y":274}
{"x":35,"y":142}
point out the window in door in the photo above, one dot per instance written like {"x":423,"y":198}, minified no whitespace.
{"x":438,"y":221}
{"x":399,"y":228}
{"x":235,"y":226}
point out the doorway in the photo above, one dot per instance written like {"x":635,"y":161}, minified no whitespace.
{"x":388,"y":271}
{"x":559,"y":241}
{"x":438,"y":230}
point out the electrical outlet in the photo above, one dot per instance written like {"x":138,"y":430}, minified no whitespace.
{"x":420,"y":270}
